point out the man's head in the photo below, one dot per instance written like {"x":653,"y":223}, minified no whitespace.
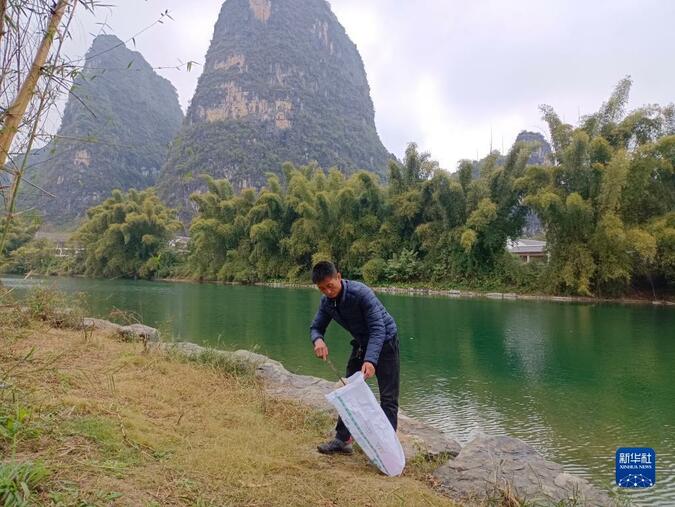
{"x":327,"y":279}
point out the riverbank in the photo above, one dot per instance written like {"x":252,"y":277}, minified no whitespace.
{"x":422,"y":289}
{"x":90,"y":418}
{"x":488,"y":470}
{"x":101,"y":413}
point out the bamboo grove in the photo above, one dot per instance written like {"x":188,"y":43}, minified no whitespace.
{"x":606,"y":201}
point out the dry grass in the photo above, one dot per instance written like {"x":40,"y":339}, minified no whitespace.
{"x":115,"y":425}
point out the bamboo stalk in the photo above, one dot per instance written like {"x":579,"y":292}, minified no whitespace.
{"x":3,"y":9}
{"x":18,"y":108}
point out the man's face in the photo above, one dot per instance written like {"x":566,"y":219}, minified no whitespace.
{"x":331,"y":286}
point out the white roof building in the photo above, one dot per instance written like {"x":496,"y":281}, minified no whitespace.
{"x":527,"y":249}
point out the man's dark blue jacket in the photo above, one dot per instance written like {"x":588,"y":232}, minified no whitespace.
{"x":358,"y":310}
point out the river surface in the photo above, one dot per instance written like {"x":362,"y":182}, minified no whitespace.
{"x":575,"y":380}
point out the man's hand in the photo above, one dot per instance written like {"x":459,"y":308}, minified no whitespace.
{"x":320,"y":348}
{"x":368,"y":370}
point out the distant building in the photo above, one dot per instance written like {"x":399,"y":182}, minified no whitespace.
{"x":179,"y":243}
{"x":64,"y":246}
{"x":528,"y":249}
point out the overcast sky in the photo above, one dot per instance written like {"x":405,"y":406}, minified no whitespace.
{"x":447,"y":73}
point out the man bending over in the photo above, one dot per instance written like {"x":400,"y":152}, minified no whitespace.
{"x":355,"y":307}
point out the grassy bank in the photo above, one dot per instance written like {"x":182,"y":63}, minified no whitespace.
{"x":86,"y":419}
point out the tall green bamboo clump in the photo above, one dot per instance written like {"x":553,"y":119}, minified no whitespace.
{"x":608,"y":203}
{"x":126,"y":235}
{"x":426,"y":224}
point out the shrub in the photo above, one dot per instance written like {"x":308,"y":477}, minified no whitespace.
{"x":55,"y":308}
{"x":37,"y":256}
{"x":404,"y":267}
{"x":373,"y":270}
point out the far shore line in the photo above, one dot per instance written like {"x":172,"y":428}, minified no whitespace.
{"x":449,"y":293}
{"x":414,"y":291}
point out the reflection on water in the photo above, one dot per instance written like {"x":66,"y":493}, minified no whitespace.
{"x":576,"y":381}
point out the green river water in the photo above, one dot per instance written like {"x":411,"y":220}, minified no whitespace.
{"x":576,"y":381}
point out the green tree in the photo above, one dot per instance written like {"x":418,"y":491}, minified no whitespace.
{"x":22,"y":229}
{"x":605,"y":200}
{"x":123,"y":236}
{"x":216,"y":229}
{"x":37,"y":257}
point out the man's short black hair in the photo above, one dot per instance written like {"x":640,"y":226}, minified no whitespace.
{"x":323,"y":270}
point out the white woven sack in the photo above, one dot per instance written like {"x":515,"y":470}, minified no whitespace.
{"x":367,"y":423}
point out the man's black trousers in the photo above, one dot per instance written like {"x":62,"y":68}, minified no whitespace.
{"x":387,"y":373}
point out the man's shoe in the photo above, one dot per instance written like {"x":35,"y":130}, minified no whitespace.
{"x":335,"y":446}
